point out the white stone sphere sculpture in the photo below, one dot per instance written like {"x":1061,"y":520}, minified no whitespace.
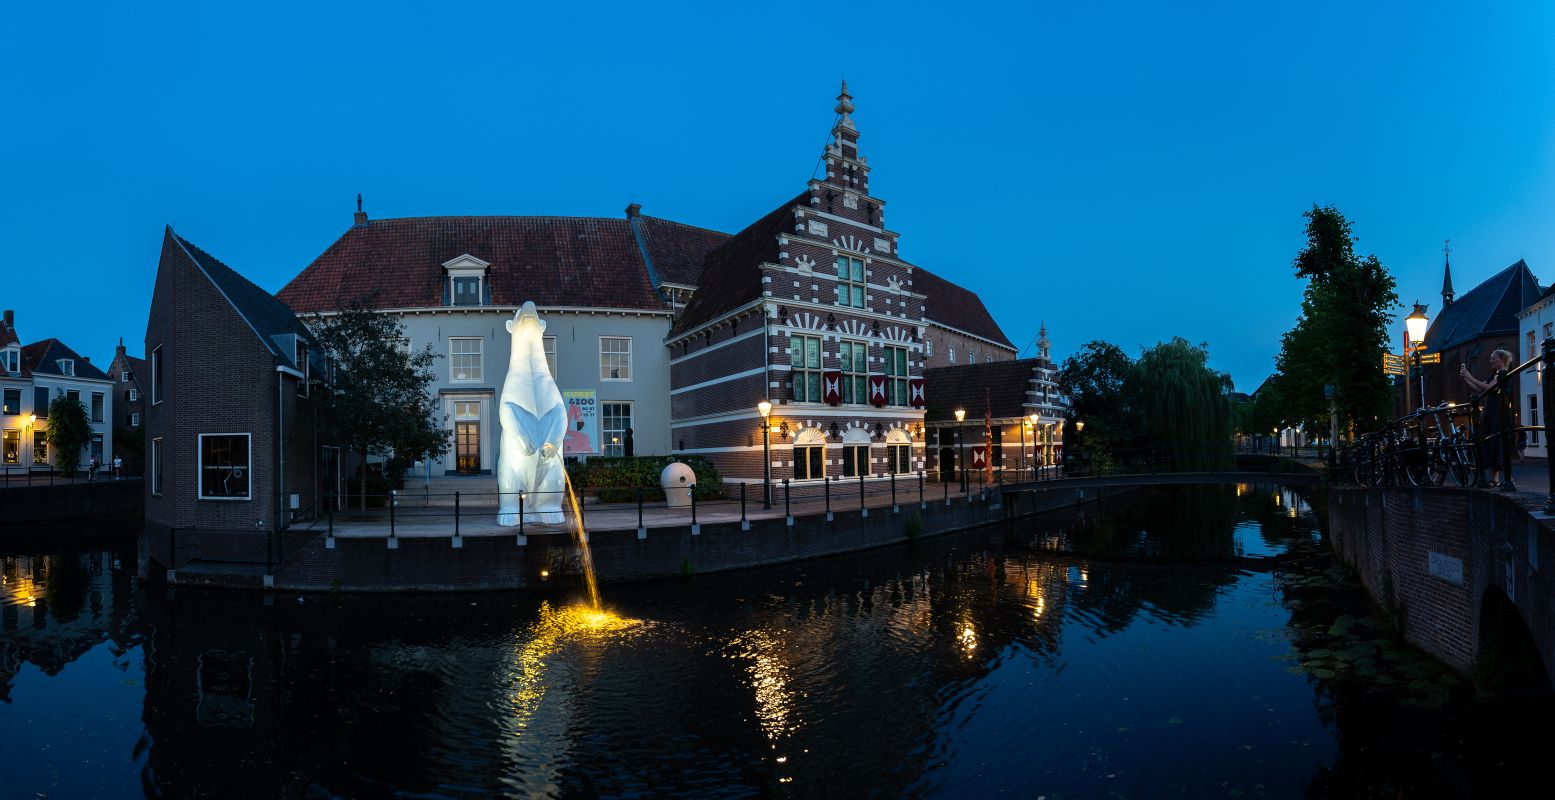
{"x":534,"y":420}
{"x":677,"y":480}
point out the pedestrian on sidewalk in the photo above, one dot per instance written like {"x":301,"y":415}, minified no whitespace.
{"x":91,"y":469}
{"x":1491,"y":416}
{"x":118,"y":467}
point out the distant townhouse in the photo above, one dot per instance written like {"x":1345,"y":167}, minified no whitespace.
{"x":228,"y":379}
{"x":31,"y":377}
{"x":129,"y":404}
{"x":1535,"y":324}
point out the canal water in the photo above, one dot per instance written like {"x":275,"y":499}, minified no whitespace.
{"x":1183,"y":642}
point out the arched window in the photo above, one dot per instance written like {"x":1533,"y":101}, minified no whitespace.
{"x":898,"y":451}
{"x":855,"y":453}
{"x":809,"y":455}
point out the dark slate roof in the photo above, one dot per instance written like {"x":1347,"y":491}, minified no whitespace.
{"x":731,"y":274}
{"x":999,"y":385}
{"x":268,"y":316}
{"x":554,"y":261}
{"x":1488,"y":309}
{"x":951,"y":305}
{"x":42,"y":358}
{"x":8,"y":335}
{"x":677,"y":251}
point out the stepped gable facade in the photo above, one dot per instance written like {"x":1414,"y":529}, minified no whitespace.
{"x":813,"y":308}
{"x":228,"y":377}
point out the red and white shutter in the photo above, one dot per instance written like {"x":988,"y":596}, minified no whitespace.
{"x":915,"y":392}
{"x":877,"y":390}
{"x":979,"y":456}
{"x":831,"y":386}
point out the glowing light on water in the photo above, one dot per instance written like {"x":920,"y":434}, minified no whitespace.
{"x":769,"y":682}
{"x":967,"y":639}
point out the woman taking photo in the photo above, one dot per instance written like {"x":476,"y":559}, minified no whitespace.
{"x":1491,"y":416}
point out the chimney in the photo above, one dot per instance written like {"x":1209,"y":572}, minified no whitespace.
{"x":10,"y":318}
{"x":86,"y":359}
{"x":361,"y":216}
{"x":118,"y":352}
{"x":634,"y":210}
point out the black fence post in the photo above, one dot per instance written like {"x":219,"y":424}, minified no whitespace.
{"x":742,"y":502}
{"x":520,"y":511}
{"x":788,"y":510}
{"x":861,"y":491}
{"x":693,"y":490}
{"x":1549,"y":427}
{"x":1505,"y":399}
{"x":639,"y":508}
{"x":893,"y":490}
{"x":828,"y":496}
{"x":392,"y":504}
{"x":456,"y":513}
{"x":920,"y":488}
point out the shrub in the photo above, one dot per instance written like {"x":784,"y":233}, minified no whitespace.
{"x":617,"y":479}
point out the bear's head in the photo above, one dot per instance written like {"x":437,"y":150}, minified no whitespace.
{"x":527,"y":322}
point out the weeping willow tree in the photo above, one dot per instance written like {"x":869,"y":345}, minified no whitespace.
{"x":1181,"y":406}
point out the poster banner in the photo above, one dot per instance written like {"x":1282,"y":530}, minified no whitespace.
{"x":582,"y":424}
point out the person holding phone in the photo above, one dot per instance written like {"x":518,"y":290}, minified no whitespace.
{"x":1491,"y":415}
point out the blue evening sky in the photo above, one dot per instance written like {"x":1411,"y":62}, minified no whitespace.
{"x":1124,"y":172}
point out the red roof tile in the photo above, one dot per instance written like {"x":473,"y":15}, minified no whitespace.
{"x":678,"y":250}
{"x":731,"y":274}
{"x":554,"y":261}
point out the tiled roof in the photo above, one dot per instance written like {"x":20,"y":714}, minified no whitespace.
{"x":554,"y":261}
{"x":7,"y":335}
{"x":951,"y":305}
{"x":999,"y":385}
{"x":268,"y":316}
{"x":1488,"y":309}
{"x":678,"y":251}
{"x":731,"y":274}
{"x":42,"y":358}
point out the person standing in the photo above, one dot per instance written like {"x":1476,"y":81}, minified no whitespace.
{"x":118,"y":467}
{"x":1491,"y":416}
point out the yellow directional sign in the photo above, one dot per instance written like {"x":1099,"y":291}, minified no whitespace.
{"x":1392,"y":364}
{"x":1430,"y":358}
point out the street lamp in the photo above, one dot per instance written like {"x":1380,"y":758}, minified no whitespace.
{"x":1022,"y":425}
{"x":1035,"y":436}
{"x":961,"y":439}
{"x":765,"y":409}
{"x":1415,"y":325}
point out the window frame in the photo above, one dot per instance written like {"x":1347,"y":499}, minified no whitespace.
{"x":155,"y":467}
{"x":156,"y":375}
{"x":14,"y":434}
{"x":897,"y":392}
{"x":300,"y":354}
{"x":548,"y":346}
{"x":480,"y":359}
{"x":848,"y":284}
{"x":6,"y":408}
{"x":99,"y":407}
{"x":603,"y":376}
{"x":134,"y":395}
{"x":855,"y":381}
{"x":40,"y":448}
{"x":850,"y":460}
{"x":248,"y":470}
{"x":798,"y":346}
{"x":67,"y":367}
{"x":11,"y":359}
{"x":803,"y":456}
{"x":453,"y":290}
{"x":124,"y":376}
{"x":134,"y":419}
{"x":619,"y":448}
{"x":898,"y":458}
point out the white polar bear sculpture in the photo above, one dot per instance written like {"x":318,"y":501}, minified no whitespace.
{"x":534,"y":419}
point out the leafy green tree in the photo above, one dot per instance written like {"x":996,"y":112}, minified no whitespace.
{"x":68,"y":432}
{"x":1093,"y":379}
{"x":1181,"y":405}
{"x":382,"y":403}
{"x":1341,"y":335}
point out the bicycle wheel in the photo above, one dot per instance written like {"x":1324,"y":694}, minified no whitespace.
{"x":1461,"y":463}
{"x":1436,"y":466}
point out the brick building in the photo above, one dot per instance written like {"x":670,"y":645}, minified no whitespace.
{"x":228,"y":386}
{"x":31,"y":377}
{"x":1469,"y":328}
{"x":129,"y":405}
{"x":813,"y":308}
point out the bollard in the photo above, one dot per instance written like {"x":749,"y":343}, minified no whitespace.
{"x":696,"y":529}
{"x":920,"y":490}
{"x":642,"y":533}
{"x":745,"y":523}
{"x":788,"y":510}
{"x":456,"y":513}
{"x":862,"y":510}
{"x":893,"y":491}
{"x":392,"y":504}
{"x":520,"y":513}
{"x":828,"y":498}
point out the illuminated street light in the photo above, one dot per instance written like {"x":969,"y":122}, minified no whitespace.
{"x":765,"y":409}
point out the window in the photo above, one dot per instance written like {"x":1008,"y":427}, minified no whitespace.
{"x":1533,"y":418}
{"x":156,"y":465}
{"x":928,"y":347}
{"x":73,"y":395}
{"x":855,"y":460}
{"x":549,"y":343}
{"x":1549,"y":329}
{"x":133,"y":395}
{"x":224,"y":466}
{"x":617,"y":419}
{"x":850,"y":281}
{"x":124,"y":377}
{"x":67,"y":366}
{"x":898,"y":458}
{"x":302,"y":366}
{"x":1532,"y":350}
{"x":464,"y":360}
{"x":135,"y":420}
{"x":156,"y":375}
{"x":97,"y":449}
{"x":971,"y":356}
{"x":895,"y":369}
{"x":40,"y":448}
{"x":40,"y":401}
{"x":11,"y":446}
{"x":809,"y":462}
{"x":615,"y":358}
{"x":805,"y":355}
{"x":855,"y":371}
{"x":466,"y":291}
{"x":952,"y":354}
{"x":13,"y":402}
{"x":11,"y":360}
{"x":97,"y":406}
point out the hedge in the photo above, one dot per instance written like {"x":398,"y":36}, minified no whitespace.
{"x":617,"y":478}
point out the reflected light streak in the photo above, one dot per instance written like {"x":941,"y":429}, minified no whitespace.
{"x":967,"y":639}
{"x":769,"y":682}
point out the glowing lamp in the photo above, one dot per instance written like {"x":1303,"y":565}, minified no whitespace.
{"x":1079,"y":426}
{"x":960,"y":415}
{"x":1416,"y":324}
{"x":765,"y":408}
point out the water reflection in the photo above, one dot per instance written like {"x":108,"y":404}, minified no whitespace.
{"x":1127,"y":648}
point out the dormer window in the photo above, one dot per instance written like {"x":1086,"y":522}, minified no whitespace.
{"x":11,"y":360}
{"x":302,"y":366}
{"x":67,"y":366}
{"x":466,"y":281}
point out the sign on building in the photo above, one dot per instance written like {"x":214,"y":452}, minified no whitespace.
{"x":582,"y":424}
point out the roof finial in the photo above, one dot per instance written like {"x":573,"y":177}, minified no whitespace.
{"x":844,"y":101}
{"x":1447,"y":293}
{"x":361,"y":216}
{"x":358,"y":201}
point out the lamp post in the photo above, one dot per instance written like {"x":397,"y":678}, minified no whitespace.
{"x":1415,"y":325}
{"x":1036,"y":438}
{"x":1023,"y":464}
{"x":765,"y":409}
{"x":961,"y":440}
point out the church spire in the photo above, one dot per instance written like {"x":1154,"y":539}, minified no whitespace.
{"x":845,"y":168}
{"x":1447,"y":293}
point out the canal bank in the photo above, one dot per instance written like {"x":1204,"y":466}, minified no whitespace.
{"x":62,"y":500}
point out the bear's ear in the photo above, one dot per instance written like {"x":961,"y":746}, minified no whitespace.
{"x":542,"y":325}
{"x":510,"y":326}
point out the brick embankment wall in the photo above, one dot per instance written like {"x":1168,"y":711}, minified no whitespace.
{"x":72,"y":502}
{"x":1430,"y":556}
{"x":499,"y":562}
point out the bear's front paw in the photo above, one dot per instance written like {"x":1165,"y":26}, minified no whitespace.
{"x":507,"y":520}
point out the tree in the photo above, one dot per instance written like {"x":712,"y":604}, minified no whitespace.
{"x":1182,"y":407}
{"x":1341,"y":335}
{"x":1093,"y":380}
{"x":382,"y":402}
{"x":68,"y":432}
